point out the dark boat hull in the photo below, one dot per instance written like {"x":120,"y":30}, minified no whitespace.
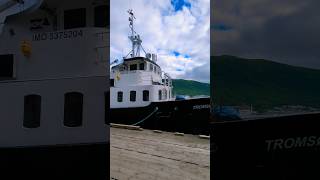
{"x":187,"y":116}
{"x":276,"y":148}
{"x":77,"y":161}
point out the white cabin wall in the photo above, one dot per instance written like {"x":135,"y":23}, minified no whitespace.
{"x":51,"y":130}
{"x":54,"y":68}
{"x":131,"y":78}
{"x":126,"y":97}
{"x":57,"y":58}
{"x":153,"y":95}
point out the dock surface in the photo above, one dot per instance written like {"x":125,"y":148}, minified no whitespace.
{"x":158,"y":155}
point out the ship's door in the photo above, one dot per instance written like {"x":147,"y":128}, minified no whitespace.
{"x":6,"y":66}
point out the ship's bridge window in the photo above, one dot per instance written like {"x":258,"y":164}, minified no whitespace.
{"x":151,"y":67}
{"x":145,"y":95}
{"x":101,"y":16}
{"x":120,"y":96}
{"x":133,"y":96}
{"x":133,"y":67}
{"x":6,"y":66}
{"x":122,"y":68}
{"x":75,"y":18}
{"x":165,"y":94}
{"x":73,"y":107}
{"x":141,"y":66}
{"x":32,"y":111}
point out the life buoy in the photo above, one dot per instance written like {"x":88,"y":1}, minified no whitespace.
{"x":26,"y":48}
{"x":118,"y":76}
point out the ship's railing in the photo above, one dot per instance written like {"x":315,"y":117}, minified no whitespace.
{"x":166,"y":79}
{"x":137,"y":71}
{"x":132,"y":71}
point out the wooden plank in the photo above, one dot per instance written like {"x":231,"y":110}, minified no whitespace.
{"x":124,"y":126}
{"x":149,"y":155}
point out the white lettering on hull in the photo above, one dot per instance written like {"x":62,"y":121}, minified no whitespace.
{"x":291,"y":143}
{"x":204,"y":106}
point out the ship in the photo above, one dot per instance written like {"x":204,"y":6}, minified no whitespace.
{"x":54,"y":56}
{"x":141,"y":94}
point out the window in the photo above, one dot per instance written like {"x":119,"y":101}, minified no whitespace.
{"x":141,"y":66}
{"x":32,"y":111}
{"x":155,"y":69}
{"x":165,"y":94}
{"x":133,"y":96}
{"x":151,"y":67}
{"x":106,"y":106}
{"x":111,"y":82}
{"x":133,"y":67}
{"x":73,"y":107}
{"x":6,"y":66}
{"x":160,"y":95}
{"x":101,"y":16}
{"x":75,"y":18}
{"x":145,"y":95}
{"x":122,"y":68}
{"x":120,"y":96}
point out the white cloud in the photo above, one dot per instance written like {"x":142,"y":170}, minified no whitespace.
{"x":163,"y":31}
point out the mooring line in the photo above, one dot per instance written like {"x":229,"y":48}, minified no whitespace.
{"x":154,"y":111}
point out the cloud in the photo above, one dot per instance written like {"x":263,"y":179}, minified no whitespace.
{"x":165,"y":29}
{"x":284,"y":31}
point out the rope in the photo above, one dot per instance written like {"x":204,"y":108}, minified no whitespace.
{"x":155,"y":110}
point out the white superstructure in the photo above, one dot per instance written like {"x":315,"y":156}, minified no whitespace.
{"x":137,"y":81}
{"x":54,"y":56}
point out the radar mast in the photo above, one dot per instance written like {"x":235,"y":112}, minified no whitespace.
{"x":134,"y":37}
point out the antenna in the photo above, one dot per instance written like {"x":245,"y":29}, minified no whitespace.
{"x":131,"y":20}
{"x":134,"y":37}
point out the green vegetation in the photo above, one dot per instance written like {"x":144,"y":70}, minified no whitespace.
{"x":263,"y":83}
{"x":190,"y":88}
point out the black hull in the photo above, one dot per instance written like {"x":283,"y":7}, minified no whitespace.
{"x":83,"y":161}
{"x":274,"y":148}
{"x":188,"y":116}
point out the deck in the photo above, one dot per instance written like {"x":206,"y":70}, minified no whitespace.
{"x":152,"y":155}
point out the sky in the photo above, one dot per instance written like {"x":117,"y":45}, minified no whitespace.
{"x":177,"y":30}
{"x":286,"y":31}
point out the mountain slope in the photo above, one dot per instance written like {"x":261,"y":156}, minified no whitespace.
{"x":191,"y":88}
{"x":259,"y":82}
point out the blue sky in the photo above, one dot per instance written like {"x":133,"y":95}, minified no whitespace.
{"x":179,"y":4}
{"x":177,"y":30}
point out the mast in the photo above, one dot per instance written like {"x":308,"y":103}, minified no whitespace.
{"x":134,"y":37}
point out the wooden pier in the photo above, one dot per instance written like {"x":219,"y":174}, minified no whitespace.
{"x":147,"y":154}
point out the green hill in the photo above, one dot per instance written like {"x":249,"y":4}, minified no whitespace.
{"x":263,"y":83}
{"x":189,"y":87}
